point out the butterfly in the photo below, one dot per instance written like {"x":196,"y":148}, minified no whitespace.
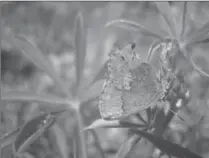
{"x":131,"y":85}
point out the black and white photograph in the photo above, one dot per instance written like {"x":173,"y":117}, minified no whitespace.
{"x":104,"y":79}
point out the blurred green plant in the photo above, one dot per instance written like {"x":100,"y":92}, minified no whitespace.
{"x":34,"y":128}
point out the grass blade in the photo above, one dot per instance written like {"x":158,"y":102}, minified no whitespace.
{"x":135,"y":26}
{"x":14,"y":95}
{"x":31,"y":52}
{"x":165,"y":10}
{"x":31,"y":131}
{"x":80,"y":44}
{"x":183,"y":22}
{"x":166,"y":146}
{"x":8,"y":138}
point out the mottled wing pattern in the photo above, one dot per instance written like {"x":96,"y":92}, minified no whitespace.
{"x":145,"y":91}
{"x":110,"y":102}
{"x":131,"y":86}
{"x":119,"y":64}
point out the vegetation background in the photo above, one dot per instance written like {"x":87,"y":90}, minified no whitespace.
{"x":50,"y":26}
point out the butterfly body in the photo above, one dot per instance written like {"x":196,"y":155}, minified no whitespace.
{"x":131,"y":86}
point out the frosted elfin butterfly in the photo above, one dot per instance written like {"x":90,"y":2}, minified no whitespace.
{"x":131,"y":85}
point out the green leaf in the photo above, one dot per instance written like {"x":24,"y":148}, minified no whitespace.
{"x":126,"y":147}
{"x":170,"y":148}
{"x":200,"y":62}
{"x":153,"y":50}
{"x":80,"y":44}
{"x":183,"y":22}
{"x":31,"y":131}
{"x":100,"y":123}
{"x":201,"y":34}
{"x":61,"y":140}
{"x":165,"y":10}
{"x":31,"y":52}
{"x":135,"y":26}
{"x":8,"y":138}
{"x":21,"y":95}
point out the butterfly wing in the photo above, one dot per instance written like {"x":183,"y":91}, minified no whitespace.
{"x":131,"y":86}
{"x":119,"y":66}
{"x":110,"y":102}
{"x":145,"y":91}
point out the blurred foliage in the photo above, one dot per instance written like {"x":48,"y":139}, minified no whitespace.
{"x":50,"y":25}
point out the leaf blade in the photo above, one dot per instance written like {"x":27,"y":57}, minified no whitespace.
{"x":200,"y":63}
{"x":100,"y":123}
{"x":31,"y":131}
{"x":21,"y":95}
{"x":166,"y":146}
{"x":61,"y":140}
{"x":80,"y":44}
{"x":165,"y":9}
{"x":183,"y":22}
{"x":199,"y":35}
{"x":8,"y":138}
{"x":134,"y":25}
{"x":31,"y":52}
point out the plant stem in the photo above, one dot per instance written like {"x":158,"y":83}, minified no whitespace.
{"x":81,"y":134}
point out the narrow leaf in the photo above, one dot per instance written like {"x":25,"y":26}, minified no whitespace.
{"x":200,"y":62}
{"x":132,"y":25}
{"x":8,"y":138}
{"x":127,"y":146}
{"x":100,"y":123}
{"x":61,"y":141}
{"x":80,"y":44}
{"x":31,"y":52}
{"x":166,"y":146}
{"x":31,"y":131}
{"x":21,"y":95}
{"x":201,"y":34}
{"x":183,"y":22}
{"x":153,"y":49}
{"x":165,"y":10}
